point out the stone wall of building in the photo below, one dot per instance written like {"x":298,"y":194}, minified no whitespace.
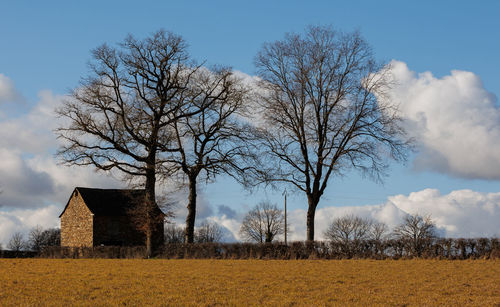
{"x":77,"y":223}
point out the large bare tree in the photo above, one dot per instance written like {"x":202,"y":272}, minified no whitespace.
{"x":212,"y":141}
{"x":323,"y":112}
{"x":263,"y":223}
{"x":120,"y":117}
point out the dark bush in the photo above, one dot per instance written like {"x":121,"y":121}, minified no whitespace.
{"x":441,"y":248}
{"x":113,"y":252}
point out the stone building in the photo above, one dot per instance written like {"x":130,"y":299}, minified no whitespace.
{"x":95,"y":217}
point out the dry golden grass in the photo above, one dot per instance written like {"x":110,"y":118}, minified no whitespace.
{"x":248,"y":282}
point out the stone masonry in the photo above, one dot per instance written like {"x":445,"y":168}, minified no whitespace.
{"x":77,"y":223}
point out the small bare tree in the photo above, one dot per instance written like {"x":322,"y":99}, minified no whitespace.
{"x":174,"y":234}
{"x":39,"y":238}
{"x":378,"y":231}
{"x":208,"y":232}
{"x":51,"y":237}
{"x":36,"y":238}
{"x":348,"y":233}
{"x":17,"y":243}
{"x":324,"y":113}
{"x":348,"y":228}
{"x":417,"y":232}
{"x":263,"y":223}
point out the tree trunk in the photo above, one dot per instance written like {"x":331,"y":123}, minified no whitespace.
{"x":191,"y":216}
{"x":149,"y":249}
{"x":269,"y":237}
{"x":311,"y":211}
{"x":149,"y":204}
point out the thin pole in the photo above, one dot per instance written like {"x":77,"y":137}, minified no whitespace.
{"x":285,"y":219}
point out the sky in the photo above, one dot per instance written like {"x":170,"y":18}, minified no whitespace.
{"x":444,"y":57}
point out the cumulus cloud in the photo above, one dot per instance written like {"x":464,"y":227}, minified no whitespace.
{"x":22,"y":185}
{"x":230,"y":225}
{"x":462,"y":213}
{"x":8,"y":92}
{"x":454,"y":119}
{"x":227,"y":211}
{"x":23,"y":220}
{"x":33,"y":132}
{"x":254,"y":115}
{"x":30,"y":176}
{"x":38,"y":181}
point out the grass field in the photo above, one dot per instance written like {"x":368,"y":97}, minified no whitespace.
{"x":248,"y":282}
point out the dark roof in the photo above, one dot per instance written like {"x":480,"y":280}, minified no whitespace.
{"x":109,"y":202}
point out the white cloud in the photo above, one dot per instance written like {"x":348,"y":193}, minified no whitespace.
{"x":230,"y":227}
{"x":254,"y":114}
{"x":30,"y":176}
{"x":23,"y":220}
{"x":454,"y":119}
{"x":462,"y":213}
{"x":33,"y":132}
{"x":22,"y":186}
{"x":8,"y":92}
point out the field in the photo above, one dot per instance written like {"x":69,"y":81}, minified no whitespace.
{"x":248,"y":282}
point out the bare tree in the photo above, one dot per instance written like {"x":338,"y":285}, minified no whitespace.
{"x":263,"y":223}
{"x":321,"y":112}
{"x":350,"y":232}
{"x":39,"y":238}
{"x":208,"y":232}
{"x":35,"y":238}
{"x":51,"y":237}
{"x":378,"y":231}
{"x":213,"y":141}
{"x":120,"y":116}
{"x":417,"y":231}
{"x":174,"y":234}
{"x":348,"y":229}
{"x":16,"y":242}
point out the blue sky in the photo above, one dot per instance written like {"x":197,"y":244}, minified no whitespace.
{"x":45,"y":46}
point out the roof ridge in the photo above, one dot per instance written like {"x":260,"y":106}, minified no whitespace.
{"x":101,"y":189}
{"x":109,"y":201}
